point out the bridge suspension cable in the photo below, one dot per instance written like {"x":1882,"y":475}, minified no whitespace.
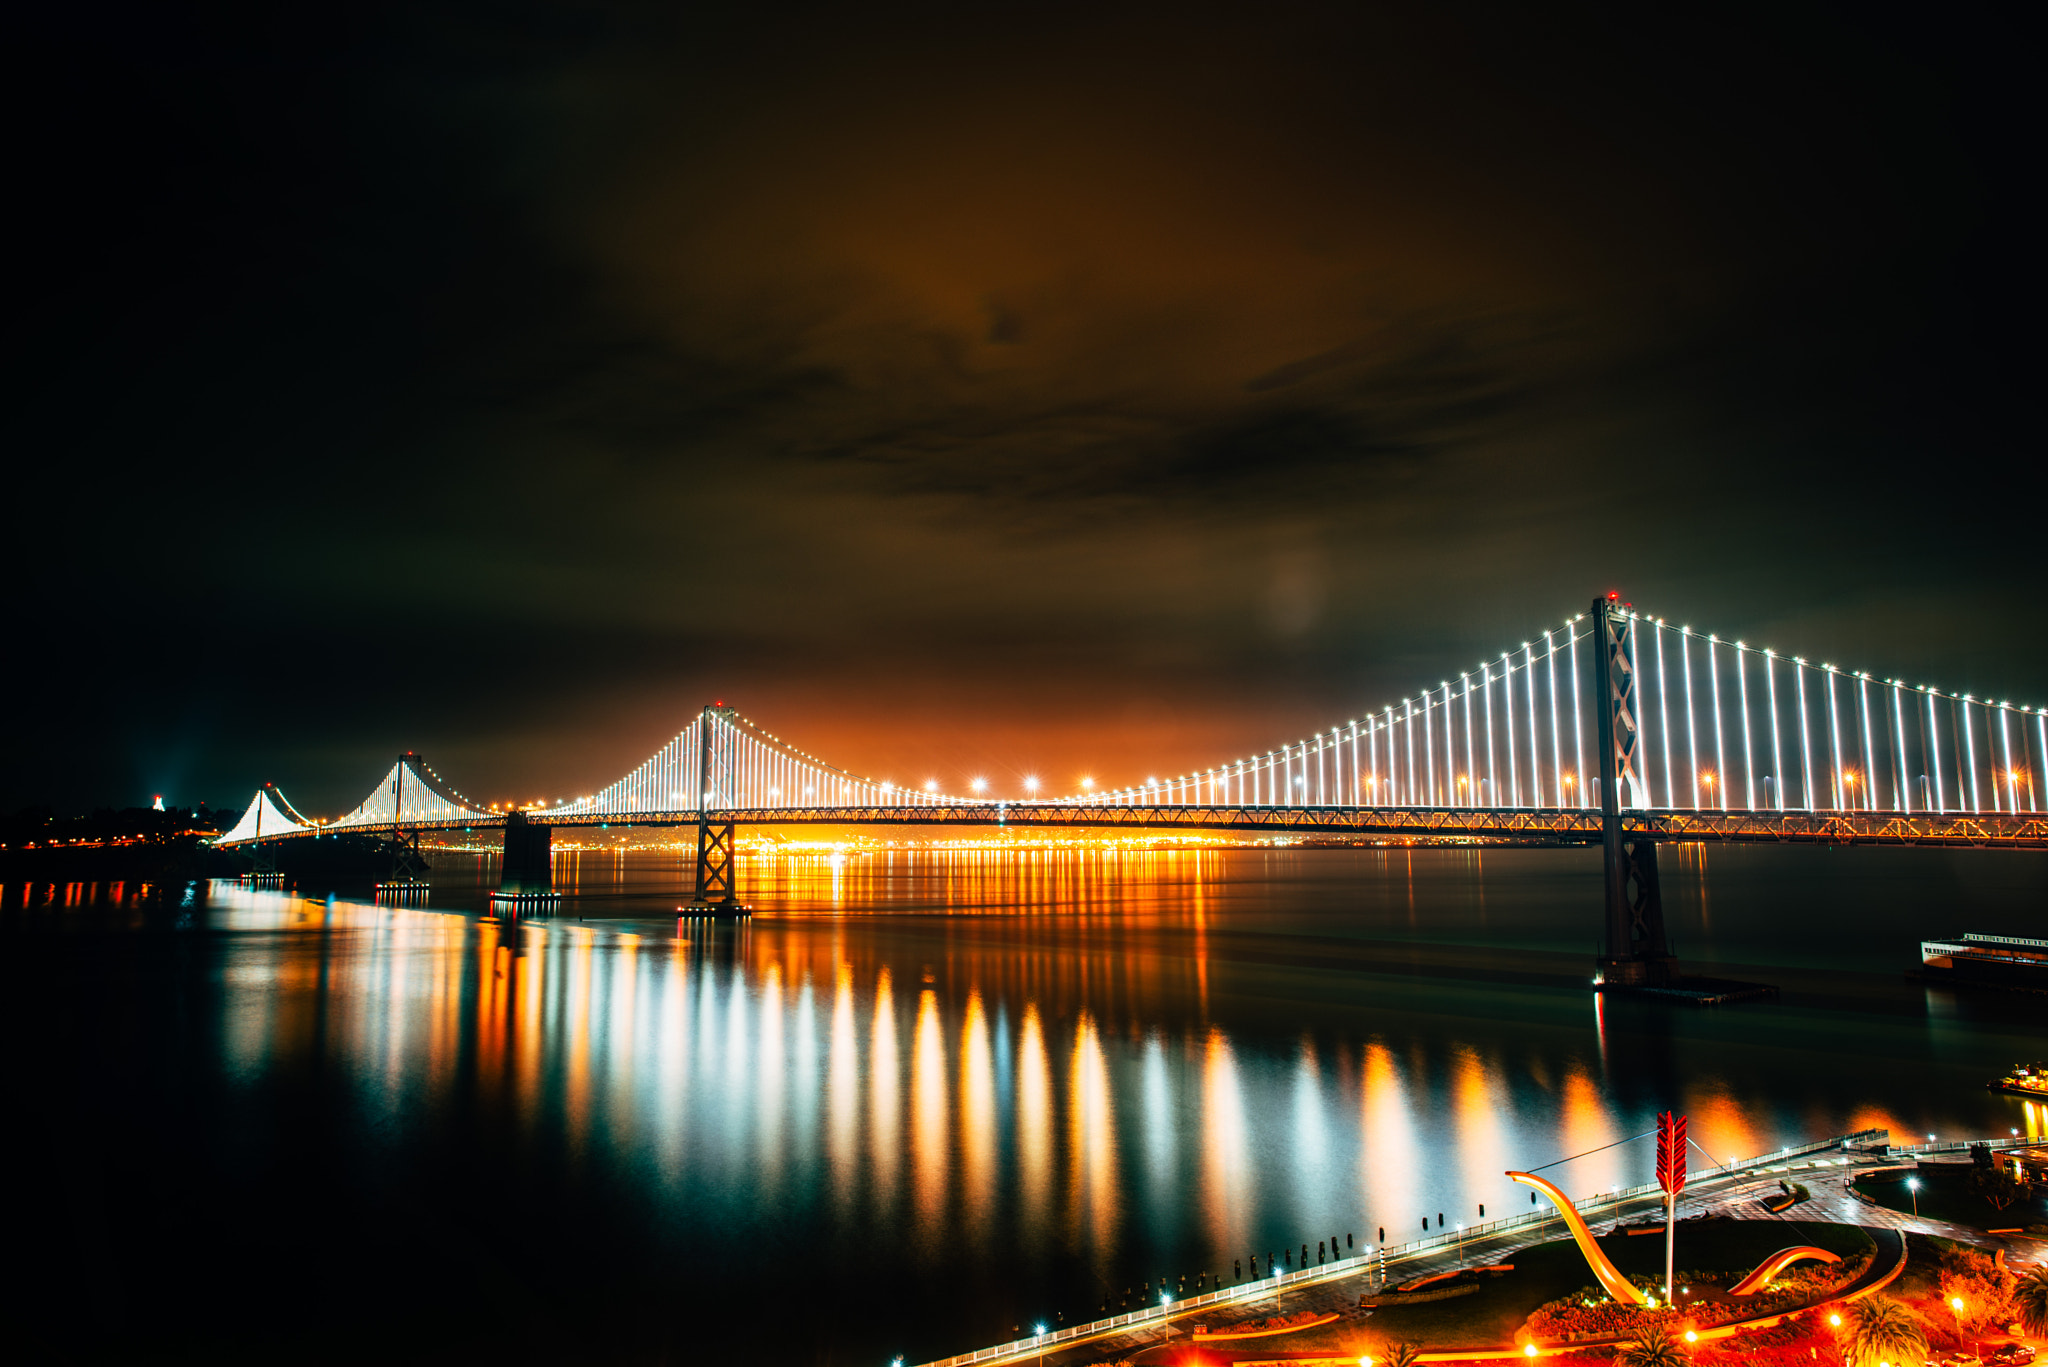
{"x":1883,"y":745}
{"x":1482,"y":741}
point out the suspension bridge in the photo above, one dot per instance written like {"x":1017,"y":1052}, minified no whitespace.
{"x":1614,"y":728}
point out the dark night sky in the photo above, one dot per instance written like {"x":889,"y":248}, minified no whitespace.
{"x":983,"y":389}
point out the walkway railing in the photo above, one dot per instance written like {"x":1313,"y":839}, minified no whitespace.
{"x":1964,"y":1146}
{"x":1267,"y":1286}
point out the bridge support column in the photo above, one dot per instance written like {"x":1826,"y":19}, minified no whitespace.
{"x":408,"y":877}
{"x":1637,"y":953}
{"x":528,"y":865}
{"x":715,"y":892}
{"x":263,"y":872}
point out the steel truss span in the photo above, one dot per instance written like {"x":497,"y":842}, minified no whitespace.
{"x":1720,"y":740}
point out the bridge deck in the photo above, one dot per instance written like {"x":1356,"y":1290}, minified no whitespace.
{"x":2023,"y":830}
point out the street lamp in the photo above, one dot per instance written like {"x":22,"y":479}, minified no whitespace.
{"x":1913,"y":1185}
{"x":1955,"y":1307}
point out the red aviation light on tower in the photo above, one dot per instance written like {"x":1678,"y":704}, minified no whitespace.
{"x":1671,"y":1153}
{"x":1613,"y":597}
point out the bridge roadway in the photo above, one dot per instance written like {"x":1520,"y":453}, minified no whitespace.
{"x":1576,"y":826}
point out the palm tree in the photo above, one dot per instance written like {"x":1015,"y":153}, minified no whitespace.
{"x":1882,"y":1330}
{"x":1656,"y":1346}
{"x":2030,"y":1299}
{"x":1403,"y":1354}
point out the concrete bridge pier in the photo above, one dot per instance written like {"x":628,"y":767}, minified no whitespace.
{"x":1637,"y":952}
{"x":528,"y":864}
{"x":526,"y":872}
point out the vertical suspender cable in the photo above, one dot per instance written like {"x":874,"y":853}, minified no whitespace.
{"x":1777,"y":762}
{"x":1408,"y":788}
{"x":1692,"y":735}
{"x":1578,"y":714}
{"x":1970,"y":748}
{"x":1428,"y":755}
{"x":1507,"y":698}
{"x":1486,"y":692}
{"x":1664,"y":718}
{"x":1933,"y":753}
{"x":1645,"y":775}
{"x":1870,"y":798}
{"x":1450,"y":752}
{"x":2005,"y":743}
{"x":1905,"y":771}
{"x":1748,"y":753}
{"x":1720,"y":745}
{"x":1535,"y":745}
{"x":1472,"y":795}
{"x":1834,"y":737}
{"x":1556,"y":740}
{"x":1805,"y":736}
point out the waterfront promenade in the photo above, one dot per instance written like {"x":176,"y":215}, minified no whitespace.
{"x":1737,"y":1190}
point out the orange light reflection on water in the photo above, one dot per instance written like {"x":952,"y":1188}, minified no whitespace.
{"x":977,"y":1116}
{"x":1034,"y":1125}
{"x":1479,"y":1102}
{"x":1226,"y":1146}
{"x":1057,"y":1087}
{"x":1391,"y":1163}
{"x":930,"y":1140}
{"x":842,"y":1102}
{"x":1092,"y":1182}
{"x":884,"y":1105}
{"x":1587,"y":1125}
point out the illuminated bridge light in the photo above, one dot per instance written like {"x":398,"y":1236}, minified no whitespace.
{"x":1838,"y":761}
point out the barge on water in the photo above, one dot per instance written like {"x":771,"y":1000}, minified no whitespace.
{"x":2002,"y":961}
{"x":2026,"y":1079}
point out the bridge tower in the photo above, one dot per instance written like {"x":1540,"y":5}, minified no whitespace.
{"x":408,"y":876}
{"x":1637,"y":953}
{"x":715,"y":893}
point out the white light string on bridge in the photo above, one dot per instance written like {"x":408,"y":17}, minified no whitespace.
{"x":1875,"y":750}
{"x":750,"y":769}
{"x":1807,"y":737}
{"x":410,"y":792}
{"x":267,"y":816}
{"x":1822,"y":738}
{"x":1424,"y":752}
